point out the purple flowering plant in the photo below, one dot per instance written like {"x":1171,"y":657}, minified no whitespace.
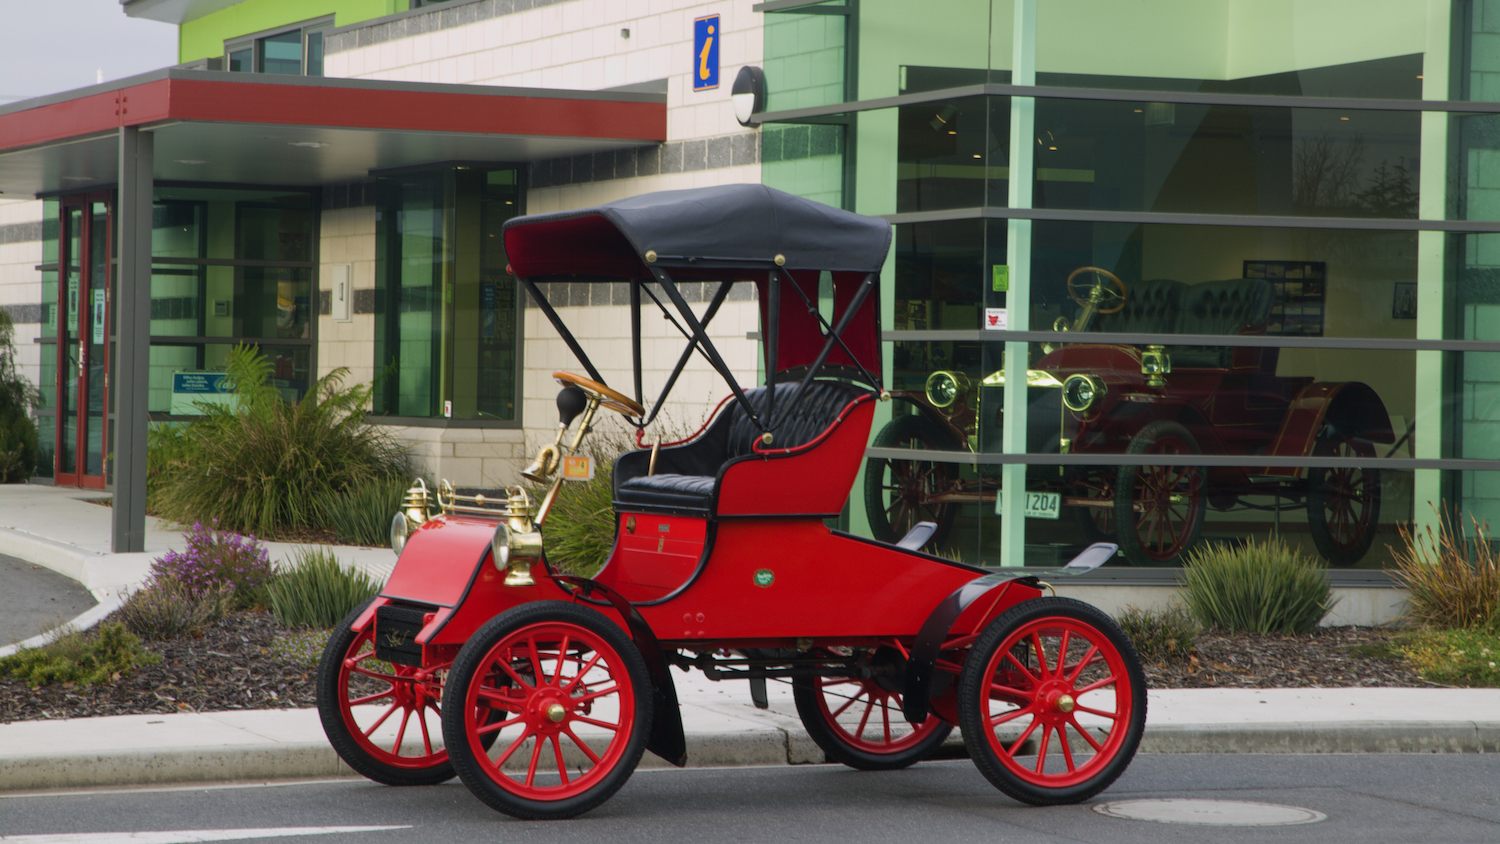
{"x":215,"y":558}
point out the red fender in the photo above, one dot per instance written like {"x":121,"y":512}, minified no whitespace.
{"x":1350,"y":406}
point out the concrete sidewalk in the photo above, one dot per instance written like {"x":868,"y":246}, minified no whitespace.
{"x":724,"y":729}
{"x":61,"y":529}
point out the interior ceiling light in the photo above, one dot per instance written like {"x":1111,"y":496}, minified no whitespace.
{"x":942,"y":120}
{"x":307,"y":144}
{"x":1343,"y":118}
{"x":1051,"y":147}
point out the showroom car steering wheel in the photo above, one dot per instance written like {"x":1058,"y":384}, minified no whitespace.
{"x":612,"y":399}
{"x":1084,"y":294}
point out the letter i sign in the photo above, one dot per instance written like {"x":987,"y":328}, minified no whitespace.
{"x":706,"y":38}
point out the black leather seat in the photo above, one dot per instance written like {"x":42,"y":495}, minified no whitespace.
{"x":687,"y":476}
{"x":1234,"y":306}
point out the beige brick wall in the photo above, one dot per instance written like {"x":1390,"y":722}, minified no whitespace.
{"x":21,"y":283}
{"x":347,"y":237}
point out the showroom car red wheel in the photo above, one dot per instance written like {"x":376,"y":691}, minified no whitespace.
{"x":1159,"y":509}
{"x":562,"y":696}
{"x":1052,"y":701}
{"x":900,"y":493}
{"x":384,"y":720}
{"x":1343,"y":504}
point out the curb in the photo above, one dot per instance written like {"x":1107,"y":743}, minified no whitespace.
{"x":774,"y":747}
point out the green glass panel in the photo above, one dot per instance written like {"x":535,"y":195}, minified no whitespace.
{"x":281,"y":53}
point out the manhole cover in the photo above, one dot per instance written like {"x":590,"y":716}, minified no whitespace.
{"x":1210,"y":812}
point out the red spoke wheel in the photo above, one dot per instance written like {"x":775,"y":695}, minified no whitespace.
{"x":565,"y":696}
{"x":858,"y":722}
{"x":1159,"y":509}
{"x":1052,"y":701}
{"x":1343,"y":505}
{"x":384,"y":720}
{"x":899,"y":493}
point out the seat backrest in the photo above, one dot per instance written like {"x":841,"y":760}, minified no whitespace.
{"x":1151,"y":307}
{"x":1225,"y":307}
{"x":816,"y":410}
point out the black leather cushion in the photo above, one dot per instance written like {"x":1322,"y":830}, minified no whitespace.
{"x":693,"y":491}
{"x":1233,"y":306}
{"x":814,"y":412}
{"x":1151,"y":307}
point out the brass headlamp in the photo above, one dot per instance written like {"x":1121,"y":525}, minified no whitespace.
{"x":945,"y":388}
{"x":412,"y":516}
{"x":517,"y":543}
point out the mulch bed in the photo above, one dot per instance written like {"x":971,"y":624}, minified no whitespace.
{"x":1327,"y":657}
{"x":232,"y":667}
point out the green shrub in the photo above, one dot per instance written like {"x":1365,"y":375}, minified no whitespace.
{"x":1451,"y":580}
{"x":1160,"y":635}
{"x":1454,"y":657}
{"x":166,"y":608}
{"x":316,"y":591}
{"x":362,"y":514}
{"x":214,"y":558}
{"x":1261,"y":587}
{"x":18,"y":438}
{"x":100,"y":656}
{"x":268,"y":466}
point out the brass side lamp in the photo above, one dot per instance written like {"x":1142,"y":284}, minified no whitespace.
{"x":1155,"y":365}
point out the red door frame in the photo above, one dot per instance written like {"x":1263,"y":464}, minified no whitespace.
{"x":82,"y":372}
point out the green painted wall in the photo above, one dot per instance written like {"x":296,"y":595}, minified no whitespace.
{"x":204,"y":37}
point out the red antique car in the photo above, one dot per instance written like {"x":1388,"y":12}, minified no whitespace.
{"x":1106,"y":398}
{"x":542,"y":690}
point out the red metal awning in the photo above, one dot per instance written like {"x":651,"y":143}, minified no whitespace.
{"x":212,"y":126}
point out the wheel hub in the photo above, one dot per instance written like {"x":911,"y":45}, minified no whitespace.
{"x":556,"y":712}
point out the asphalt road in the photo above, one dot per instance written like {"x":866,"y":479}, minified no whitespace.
{"x":1368,"y":799}
{"x":34,"y":598}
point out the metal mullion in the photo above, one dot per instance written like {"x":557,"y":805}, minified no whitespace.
{"x":1085,"y":215}
{"x":1253,"y":341}
{"x":967,"y":458}
{"x":237,"y":262}
{"x":801,"y":7}
{"x":1053,"y":92}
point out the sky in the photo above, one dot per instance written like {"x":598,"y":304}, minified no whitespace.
{"x":47,"y":46}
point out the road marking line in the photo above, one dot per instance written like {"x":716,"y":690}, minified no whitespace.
{"x":186,"y":836}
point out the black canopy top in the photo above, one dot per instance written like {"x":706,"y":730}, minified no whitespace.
{"x":724,"y":226}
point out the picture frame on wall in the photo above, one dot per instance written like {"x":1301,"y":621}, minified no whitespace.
{"x":1404,"y":300}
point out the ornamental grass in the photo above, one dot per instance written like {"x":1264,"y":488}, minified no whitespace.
{"x":317,"y":591}
{"x":1452,"y":578}
{"x":1258,"y":587}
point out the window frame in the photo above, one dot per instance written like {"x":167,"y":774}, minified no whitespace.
{"x":254,"y":43}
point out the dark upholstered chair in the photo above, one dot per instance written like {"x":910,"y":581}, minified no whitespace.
{"x":688,"y":476}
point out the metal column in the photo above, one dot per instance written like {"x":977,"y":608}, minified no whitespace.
{"x":1018,"y":298}
{"x":132,"y":312}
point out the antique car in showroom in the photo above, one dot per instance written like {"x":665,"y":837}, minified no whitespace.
{"x":1107,"y":398}
{"x":481,"y":658}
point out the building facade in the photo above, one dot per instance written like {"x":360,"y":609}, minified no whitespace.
{"x":1280,"y":209}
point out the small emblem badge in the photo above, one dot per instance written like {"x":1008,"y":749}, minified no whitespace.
{"x":764,"y":578}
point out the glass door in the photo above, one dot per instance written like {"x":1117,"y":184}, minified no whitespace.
{"x":83,"y":339}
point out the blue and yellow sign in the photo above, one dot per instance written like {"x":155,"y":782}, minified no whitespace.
{"x":706,"y":37}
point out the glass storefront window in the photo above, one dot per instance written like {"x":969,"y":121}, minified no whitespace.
{"x":281,"y":53}
{"x":1221,"y":159}
{"x":447,"y":318}
{"x":953,"y":154}
{"x":1315,"y":48}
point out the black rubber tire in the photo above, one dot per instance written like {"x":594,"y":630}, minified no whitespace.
{"x":1341,"y":553}
{"x":974,"y":698}
{"x":910,"y":431}
{"x":471,"y":659}
{"x":330,"y":713}
{"x":1127,"y":530}
{"x":838,"y":749}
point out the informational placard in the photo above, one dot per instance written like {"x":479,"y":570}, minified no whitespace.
{"x":193,"y":388}
{"x":578,"y":468}
{"x":97,"y":320}
{"x":706,"y":38}
{"x":995,"y":319}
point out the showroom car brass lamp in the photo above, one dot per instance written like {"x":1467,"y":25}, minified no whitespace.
{"x":1155,"y":364}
